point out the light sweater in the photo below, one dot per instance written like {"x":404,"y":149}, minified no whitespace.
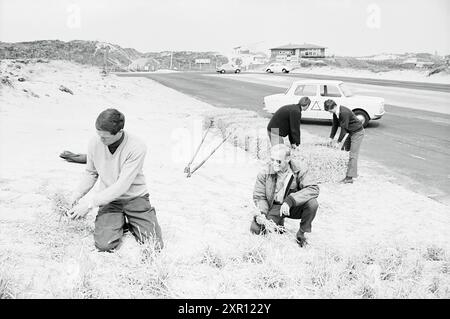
{"x":120,"y":175}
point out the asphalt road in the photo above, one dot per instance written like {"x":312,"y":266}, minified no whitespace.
{"x":388,"y":83}
{"x":412,"y":145}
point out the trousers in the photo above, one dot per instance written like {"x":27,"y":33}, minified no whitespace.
{"x":306,"y":213}
{"x":142,"y":223}
{"x":354,"y":144}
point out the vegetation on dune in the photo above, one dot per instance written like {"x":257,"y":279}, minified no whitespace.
{"x":55,"y":257}
{"x":248,"y":131}
{"x":270,"y":266}
{"x":94,"y":53}
{"x":6,"y":283}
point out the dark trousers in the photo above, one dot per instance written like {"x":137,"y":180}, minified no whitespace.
{"x":305,"y":213}
{"x":353,"y":144}
{"x":142,"y":223}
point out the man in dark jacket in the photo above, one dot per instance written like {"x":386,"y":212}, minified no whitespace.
{"x":286,"y":122}
{"x":284,"y":188}
{"x":350,"y":124}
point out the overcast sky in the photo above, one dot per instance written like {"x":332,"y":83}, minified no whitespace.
{"x":347,"y":27}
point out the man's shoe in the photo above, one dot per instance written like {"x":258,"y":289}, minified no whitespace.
{"x":301,"y":239}
{"x":280,"y":230}
{"x":347,"y":180}
{"x":126,"y":228}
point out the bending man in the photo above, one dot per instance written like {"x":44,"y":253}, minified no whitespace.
{"x":350,"y":124}
{"x":286,"y":122}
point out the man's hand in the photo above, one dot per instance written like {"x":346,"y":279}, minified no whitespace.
{"x":293,"y":146}
{"x":74,"y":199}
{"x":284,"y":210}
{"x":332,"y":142}
{"x":80,"y":210}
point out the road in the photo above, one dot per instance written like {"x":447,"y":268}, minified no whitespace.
{"x":412,"y":145}
{"x":380,"y":82}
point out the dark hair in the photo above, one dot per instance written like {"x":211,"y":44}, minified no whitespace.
{"x":304,"y":101}
{"x":329,"y":104}
{"x":110,"y":120}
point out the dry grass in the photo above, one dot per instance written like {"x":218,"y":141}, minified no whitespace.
{"x":270,"y":266}
{"x":248,"y":132}
{"x":6,"y":283}
{"x":209,"y":253}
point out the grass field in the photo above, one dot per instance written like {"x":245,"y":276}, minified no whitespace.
{"x":371,"y":239}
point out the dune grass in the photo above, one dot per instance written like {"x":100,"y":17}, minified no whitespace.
{"x":249,"y":266}
{"x":248,"y":132}
{"x":209,"y":252}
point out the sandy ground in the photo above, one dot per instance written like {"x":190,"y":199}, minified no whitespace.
{"x":209,"y":211}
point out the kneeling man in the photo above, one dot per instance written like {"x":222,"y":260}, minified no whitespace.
{"x":283,"y":188}
{"x":115,"y":158}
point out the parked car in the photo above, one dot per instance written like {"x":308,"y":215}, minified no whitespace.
{"x":229,"y":68}
{"x":366,"y":108}
{"x":278,"y":68}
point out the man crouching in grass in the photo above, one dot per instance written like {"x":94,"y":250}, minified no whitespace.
{"x":283,"y":188}
{"x":116,"y":158}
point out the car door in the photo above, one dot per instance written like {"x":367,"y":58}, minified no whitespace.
{"x":309,"y":90}
{"x":327,"y":91}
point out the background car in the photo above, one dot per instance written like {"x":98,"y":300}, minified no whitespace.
{"x":366,"y":108}
{"x":229,"y":68}
{"x":278,"y":68}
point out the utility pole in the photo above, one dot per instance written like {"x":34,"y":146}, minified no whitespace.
{"x":171,"y":57}
{"x":105,"y":59}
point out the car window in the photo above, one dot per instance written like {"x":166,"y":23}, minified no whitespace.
{"x":329,"y":90}
{"x":347,"y":92}
{"x":299,"y":90}
{"x":305,"y":90}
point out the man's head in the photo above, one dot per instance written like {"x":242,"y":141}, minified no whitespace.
{"x":279,"y":157}
{"x":304,"y":102}
{"x":330,"y":106}
{"x":109,"y":125}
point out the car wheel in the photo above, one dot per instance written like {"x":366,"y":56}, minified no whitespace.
{"x":237,"y":71}
{"x":285,"y":71}
{"x":222,"y":71}
{"x":363,"y":117}
{"x":268,"y":71}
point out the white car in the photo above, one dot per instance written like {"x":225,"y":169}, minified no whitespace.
{"x":278,"y":68}
{"x":229,"y":68}
{"x":366,"y":108}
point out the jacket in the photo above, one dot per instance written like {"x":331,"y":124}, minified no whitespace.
{"x":348,"y":122}
{"x":264,"y":190}
{"x":287,"y":120}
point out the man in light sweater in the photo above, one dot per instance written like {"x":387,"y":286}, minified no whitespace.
{"x":115,"y":160}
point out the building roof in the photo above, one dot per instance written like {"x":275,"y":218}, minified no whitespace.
{"x":291,"y":46}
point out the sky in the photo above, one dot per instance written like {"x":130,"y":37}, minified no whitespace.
{"x":345,"y":27}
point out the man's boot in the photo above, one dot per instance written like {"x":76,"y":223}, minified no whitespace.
{"x":347,"y":180}
{"x":280,"y":229}
{"x":301,"y":239}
